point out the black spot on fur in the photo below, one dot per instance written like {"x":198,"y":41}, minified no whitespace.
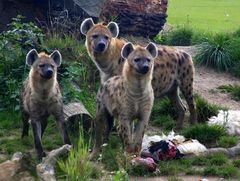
{"x":187,"y":71}
{"x":162,"y":65}
{"x":186,"y":56}
{"x":160,"y":53}
{"x":183,"y":75}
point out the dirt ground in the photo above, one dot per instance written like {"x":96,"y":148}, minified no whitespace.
{"x":207,"y":80}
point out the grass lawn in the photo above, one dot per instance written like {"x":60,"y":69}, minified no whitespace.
{"x":209,"y":15}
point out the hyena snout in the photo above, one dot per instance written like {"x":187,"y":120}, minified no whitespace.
{"x":143,"y":66}
{"x":47,"y":71}
{"x":100,"y":46}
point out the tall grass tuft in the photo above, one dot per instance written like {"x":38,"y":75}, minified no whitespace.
{"x":215,"y":53}
{"x":77,"y":166}
{"x":205,"y":110}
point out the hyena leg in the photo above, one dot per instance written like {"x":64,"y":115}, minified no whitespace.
{"x":125,"y":132}
{"x":43,"y":125}
{"x":99,"y":126}
{"x":187,"y":91}
{"x":109,"y":126}
{"x":177,"y":103}
{"x":140,"y":128}
{"x":62,"y":127}
{"x":36,"y":127}
{"x":25,"y":119}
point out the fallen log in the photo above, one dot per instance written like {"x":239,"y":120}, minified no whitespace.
{"x":45,"y":170}
{"x":231,"y":152}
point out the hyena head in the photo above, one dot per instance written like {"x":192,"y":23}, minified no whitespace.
{"x":140,"y":59}
{"x":98,"y":36}
{"x":44,"y":66}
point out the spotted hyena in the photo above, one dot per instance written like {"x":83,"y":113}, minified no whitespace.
{"x":173,"y":68}
{"x":41,"y":96}
{"x":127,"y":97}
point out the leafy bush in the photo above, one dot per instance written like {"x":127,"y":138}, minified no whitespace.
{"x":205,"y":110}
{"x":228,"y":141}
{"x":14,"y":45}
{"x":204,"y":133}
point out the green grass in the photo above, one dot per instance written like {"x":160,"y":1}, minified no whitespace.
{"x":206,"y":134}
{"x":228,"y":141}
{"x":234,"y":90}
{"x":205,"y":109}
{"x":208,"y":15}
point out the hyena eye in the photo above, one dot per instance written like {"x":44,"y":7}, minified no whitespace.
{"x":106,"y":37}
{"x":137,"y":60}
{"x":41,"y":65}
{"x":95,"y":36}
{"x":148,"y":60}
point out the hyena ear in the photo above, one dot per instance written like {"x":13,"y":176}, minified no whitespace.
{"x":31,"y":57}
{"x":86,"y":25}
{"x":126,"y":50}
{"x":151,"y":47}
{"x":57,"y":57}
{"x":114,"y":29}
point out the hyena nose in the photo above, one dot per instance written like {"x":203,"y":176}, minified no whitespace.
{"x":101,"y":46}
{"x":145,"y":69}
{"x":49,"y":73}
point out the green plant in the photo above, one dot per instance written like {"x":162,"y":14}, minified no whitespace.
{"x":163,"y":107}
{"x":228,"y":141}
{"x":77,"y":166}
{"x":206,"y":134}
{"x":14,"y":45}
{"x":233,"y":89}
{"x":175,"y":179}
{"x":164,"y":121}
{"x":121,"y":175}
{"x":180,"y":36}
{"x":204,"y":109}
{"x":236,"y":163}
{"x":215,"y":52}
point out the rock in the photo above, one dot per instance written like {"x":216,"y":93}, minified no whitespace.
{"x":139,"y":18}
{"x":15,"y":169}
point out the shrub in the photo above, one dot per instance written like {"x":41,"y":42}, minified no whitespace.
{"x":181,"y":36}
{"x":228,"y":141}
{"x":14,"y":45}
{"x":204,"y":133}
{"x":205,"y":110}
{"x":215,"y":53}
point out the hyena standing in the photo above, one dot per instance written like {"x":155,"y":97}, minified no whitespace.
{"x":127,"y":97}
{"x":41,"y":96}
{"x":173,"y":68}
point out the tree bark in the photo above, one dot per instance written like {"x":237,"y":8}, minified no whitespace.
{"x":139,"y":18}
